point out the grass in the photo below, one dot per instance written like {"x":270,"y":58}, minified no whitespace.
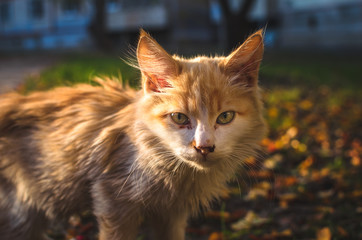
{"x":81,"y":68}
{"x":335,"y":70}
{"x":282,"y":69}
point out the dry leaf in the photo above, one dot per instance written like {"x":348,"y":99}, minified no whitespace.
{"x":326,"y":194}
{"x":255,"y":193}
{"x":287,"y":196}
{"x":324,"y":234}
{"x":275,"y":234}
{"x":325,"y":209}
{"x":342,"y":231}
{"x":251,"y":219}
{"x":216,"y":236}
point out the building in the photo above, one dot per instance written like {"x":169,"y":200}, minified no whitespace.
{"x":46,"y":24}
{"x":50,"y":24}
{"x":320,"y":24}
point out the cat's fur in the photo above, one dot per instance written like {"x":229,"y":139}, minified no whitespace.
{"x":117,"y":150}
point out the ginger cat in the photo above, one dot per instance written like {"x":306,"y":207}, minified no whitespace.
{"x":157,"y":154}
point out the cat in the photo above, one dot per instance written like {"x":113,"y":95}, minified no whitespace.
{"x":157,"y":154}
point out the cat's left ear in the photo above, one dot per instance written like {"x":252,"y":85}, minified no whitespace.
{"x":242,"y":65}
{"x":157,"y":66}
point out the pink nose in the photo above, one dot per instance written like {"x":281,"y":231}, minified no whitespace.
{"x":205,"y":150}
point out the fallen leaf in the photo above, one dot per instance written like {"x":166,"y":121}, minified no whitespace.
{"x":325,"y":209}
{"x":273,"y":112}
{"x":326,"y":194}
{"x":324,"y":234}
{"x":306,"y":104}
{"x":287,"y":196}
{"x":357,"y":193}
{"x":356,"y":161}
{"x":285,"y":181}
{"x":292,"y":132}
{"x":255,"y":193}
{"x":307,"y":163}
{"x":216,"y":236}
{"x":251,"y":219}
{"x":273,"y":161}
{"x":342,"y":231}
{"x":275,"y":234}
{"x":283,"y":204}
{"x":259,"y":190}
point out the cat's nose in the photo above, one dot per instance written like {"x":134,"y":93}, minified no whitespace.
{"x":205,"y":150}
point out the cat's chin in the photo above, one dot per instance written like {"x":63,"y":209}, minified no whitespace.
{"x":201,"y":163}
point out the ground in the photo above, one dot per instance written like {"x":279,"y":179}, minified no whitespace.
{"x":14,"y":69}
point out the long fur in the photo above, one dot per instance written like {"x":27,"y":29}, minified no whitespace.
{"x":114,"y":150}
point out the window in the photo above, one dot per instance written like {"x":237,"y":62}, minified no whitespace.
{"x":129,"y":4}
{"x":113,"y":5}
{"x":4,"y":12}
{"x":71,"y":7}
{"x":36,"y":9}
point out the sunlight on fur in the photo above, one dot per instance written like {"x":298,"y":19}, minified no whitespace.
{"x":158,"y":154}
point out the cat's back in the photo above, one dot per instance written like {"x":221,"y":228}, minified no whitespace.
{"x":60,"y":125}
{"x":82,"y":102}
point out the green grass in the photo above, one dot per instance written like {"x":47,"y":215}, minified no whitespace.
{"x":282,"y":69}
{"x":337,"y":71}
{"x":81,"y":68}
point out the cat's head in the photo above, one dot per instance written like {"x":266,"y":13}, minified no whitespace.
{"x":206,"y":111}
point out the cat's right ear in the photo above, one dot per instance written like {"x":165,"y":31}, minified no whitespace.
{"x":242,"y":65}
{"x":157,"y":66}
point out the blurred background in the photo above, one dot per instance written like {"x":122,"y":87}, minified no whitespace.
{"x":309,"y":183}
{"x":111,"y":24}
{"x":34,"y":34}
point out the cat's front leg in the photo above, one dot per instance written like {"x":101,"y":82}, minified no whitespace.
{"x":168,"y":225}
{"x":117,"y":219}
{"x":118,"y":226}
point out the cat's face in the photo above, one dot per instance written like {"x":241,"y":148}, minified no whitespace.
{"x":205,"y":110}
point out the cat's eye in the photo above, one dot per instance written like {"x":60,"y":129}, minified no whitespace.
{"x":180,"y":118}
{"x":225,"y":117}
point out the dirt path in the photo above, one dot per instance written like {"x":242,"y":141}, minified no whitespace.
{"x":15,"y":69}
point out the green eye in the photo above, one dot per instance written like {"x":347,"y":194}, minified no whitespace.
{"x":225,"y":117}
{"x":180,"y":118}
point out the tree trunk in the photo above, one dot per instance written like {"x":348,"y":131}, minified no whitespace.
{"x":238,"y":26}
{"x":98,"y":27}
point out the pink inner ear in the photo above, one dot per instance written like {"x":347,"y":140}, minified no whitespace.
{"x":163,"y":83}
{"x":156,"y":84}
